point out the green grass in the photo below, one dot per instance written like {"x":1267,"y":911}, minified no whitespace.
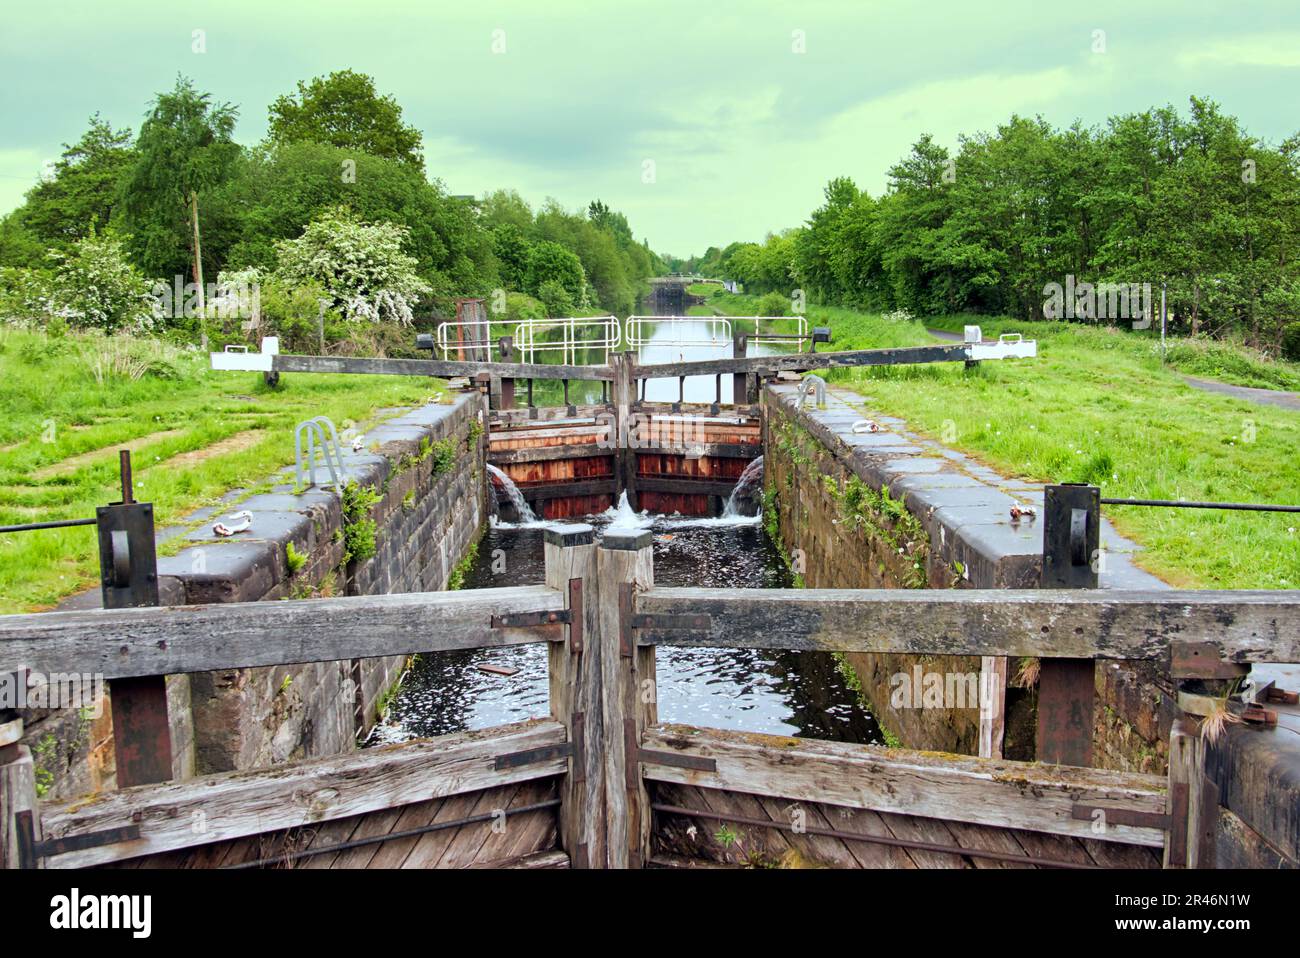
{"x":1098,"y":405}
{"x":704,"y":289}
{"x":53,"y":408}
{"x":1209,"y":359}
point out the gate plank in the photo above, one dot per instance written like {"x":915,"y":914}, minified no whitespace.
{"x":947,"y":787}
{"x":249,"y":803}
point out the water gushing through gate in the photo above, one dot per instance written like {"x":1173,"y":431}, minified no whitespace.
{"x":744,"y":499}
{"x":505,"y":485}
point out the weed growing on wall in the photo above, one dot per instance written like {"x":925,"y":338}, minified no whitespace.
{"x":358,"y":524}
{"x":294,"y":559}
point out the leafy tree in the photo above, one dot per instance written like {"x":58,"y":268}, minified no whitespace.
{"x":551,"y":262}
{"x":84,"y":190}
{"x":507,"y":208}
{"x":344,"y":110}
{"x":95,"y":286}
{"x":19,"y":246}
{"x":511,"y":248}
{"x":283,"y":187}
{"x":184,"y":150}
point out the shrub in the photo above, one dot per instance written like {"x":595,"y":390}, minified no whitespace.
{"x":124,"y":357}
{"x":1291,"y":342}
{"x":362,"y":266}
{"x":358,"y":526}
{"x":773,"y":304}
{"x":548,"y":261}
{"x":94,"y":286}
{"x":292,"y":312}
{"x":24,"y":296}
{"x":555,"y":298}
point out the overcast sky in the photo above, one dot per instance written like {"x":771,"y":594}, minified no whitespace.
{"x":574,"y":100}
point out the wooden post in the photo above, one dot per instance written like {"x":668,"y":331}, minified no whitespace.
{"x":625,"y":459}
{"x":507,"y":382}
{"x":625,"y":564}
{"x":739,"y":381}
{"x":18,"y":796}
{"x":575,"y":685}
{"x":993,"y":714}
{"x":1067,"y":687}
{"x":1193,"y":801}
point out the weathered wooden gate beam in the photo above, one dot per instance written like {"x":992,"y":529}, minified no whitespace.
{"x":1245,"y":626}
{"x":799,"y":362}
{"x":124,"y":643}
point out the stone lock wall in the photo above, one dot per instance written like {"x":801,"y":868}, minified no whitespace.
{"x":425,"y":469}
{"x":887,"y":509}
{"x":844,"y":507}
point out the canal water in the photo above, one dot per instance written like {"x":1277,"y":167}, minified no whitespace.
{"x":780,"y":693}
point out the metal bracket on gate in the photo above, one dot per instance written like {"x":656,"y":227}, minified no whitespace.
{"x":1174,"y":822}
{"x":575,"y":616}
{"x":573,"y":748}
{"x":1202,"y":660}
{"x":533,"y":756}
{"x":634,"y":755}
{"x":1121,"y":816}
{"x":546,"y":622}
{"x":693,"y":622}
{"x":29,"y":850}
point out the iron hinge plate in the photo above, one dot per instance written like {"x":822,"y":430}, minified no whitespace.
{"x":636,"y":756}
{"x":533,"y":756}
{"x":1120,"y":816}
{"x":30,"y":850}
{"x":532,"y":620}
{"x":1201,"y":660}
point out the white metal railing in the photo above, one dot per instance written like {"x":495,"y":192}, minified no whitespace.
{"x":533,"y":336}
{"x":649,"y":330}
{"x":763,"y":336}
{"x":457,"y":338}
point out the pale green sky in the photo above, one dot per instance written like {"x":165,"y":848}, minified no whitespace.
{"x":742,"y":130}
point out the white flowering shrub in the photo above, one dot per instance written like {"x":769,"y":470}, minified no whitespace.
{"x":238,"y":295}
{"x":92,"y":286}
{"x":360,"y":265}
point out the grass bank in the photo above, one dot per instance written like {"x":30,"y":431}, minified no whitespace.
{"x":68,"y":404}
{"x":1098,"y":405}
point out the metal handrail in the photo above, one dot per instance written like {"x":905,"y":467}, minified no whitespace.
{"x":447,"y":345}
{"x":719,"y":331}
{"x":528,"y":344}
{"x":759,"y":336}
